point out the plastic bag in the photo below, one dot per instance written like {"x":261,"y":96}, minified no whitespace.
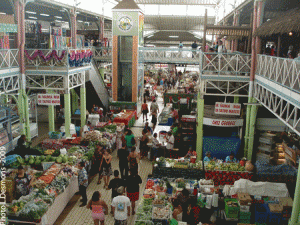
{"x":215,"y":198}
{"x":208,"y":201}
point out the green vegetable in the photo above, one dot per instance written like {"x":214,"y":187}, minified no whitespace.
{"x":59,"y":160}
{"x":31,"y":161}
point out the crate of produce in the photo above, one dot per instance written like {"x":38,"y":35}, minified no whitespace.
{"x":245,"y":215}
{"x":161,"y":215}
{"x":244,"y":208}
{"x":231,"y":208}
{"x":244,"y":199}
{"x":261,"y":213}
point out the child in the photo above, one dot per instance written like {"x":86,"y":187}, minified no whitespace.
{"x":83,"y":183}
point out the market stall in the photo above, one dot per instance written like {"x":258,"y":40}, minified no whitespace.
{"x":176,"y":168}
{"x":128,"y":117}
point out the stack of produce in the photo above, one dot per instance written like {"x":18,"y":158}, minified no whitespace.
{"x":224,"y":166}
{"x":161,"y":213}
{"x":95,"y":136}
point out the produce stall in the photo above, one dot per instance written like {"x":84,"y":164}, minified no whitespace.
{"x":225,"y":173}
{"x":165,"y":117}
{"x":51,"y":191}
{"x":165,"y":167}
{"x":128,"y":117}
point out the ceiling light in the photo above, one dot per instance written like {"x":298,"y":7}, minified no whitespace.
{"x":150,"y":36}
{"x":32,"y":17}
{"x":44,"y":29}
{"x":80,"y":21}
{"x":58,"y":17}
{"x":42,"y":14}
{"x":30,"y":12}
{"x":291,"y":33}
{"x":174,"y":36}
{"x":2,"y":13}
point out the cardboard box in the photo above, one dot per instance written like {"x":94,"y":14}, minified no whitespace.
{"x":287,"y":203}
{"x":244,"y":199}
{"x":279,"y":155}
{"x":244,"y":208}
{"x":275,"y":208}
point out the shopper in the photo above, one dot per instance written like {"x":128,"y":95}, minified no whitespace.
{"x":96,"y":164}
{"x":107,"y":171}
{"x":194,"y":49}
{"x":123,"y":161}
{"x":120,"y":139}
{"x":148,"y":129}
{"x":154,"y":111}
{"x":83,"y":183}
{"x":170,"y":142}
{"x":180,"y":44}
{"x":191,"y":153}
{"x":143,"y":144}
{"x":194,"y":212}
{"x":230,"y":158}
{"x":133,"y":159}
{"x":185,"y":202}
{"x":114,"y":184}
{"x":208,"y":157}
{"x":177,"y":212}
{"x":22,"y":181}
{"x":99,"y":208}
{"x":145,"y":110}
{"x":175,"y":115}
{"x":130,"y":139}
{"x":133,"y":188}
{"x":121,"y":207}
{"x":155,"y":146}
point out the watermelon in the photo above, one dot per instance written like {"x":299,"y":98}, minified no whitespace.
{"x":53,"y":159}
{"x":38,"y":162}
{"x":37,"y":158}
{"x":64,"y":159}
{"x":48,"y":158}
{"x":59,"y":160}
{"x":31,"y":157}
{"x":43,"y":157}
{"x":31,"y":161}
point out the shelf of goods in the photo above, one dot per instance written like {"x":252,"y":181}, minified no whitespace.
{"x":266,"y":147}
{"x":53,"y":189}
{"x":226,"y":173}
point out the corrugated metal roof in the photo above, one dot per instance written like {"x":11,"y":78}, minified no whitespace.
{"x":178,"y":2}
{"x":127,"y":4}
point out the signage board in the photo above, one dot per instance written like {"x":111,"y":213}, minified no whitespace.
{"x":228,"y":108}
{"x":48,"y":99}
{"x":223,"y":123}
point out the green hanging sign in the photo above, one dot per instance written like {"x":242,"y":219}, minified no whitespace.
{"x":8,"y":28}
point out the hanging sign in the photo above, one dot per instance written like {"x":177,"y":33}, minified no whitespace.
{"x":227,"y":108}
{"x":223,"y":123}
{"x":48,"y":99}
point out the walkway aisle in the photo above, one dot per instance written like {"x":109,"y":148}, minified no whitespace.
{"x":75,"y":215}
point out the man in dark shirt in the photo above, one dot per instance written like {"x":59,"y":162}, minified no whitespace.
{"x":123,"y":160}
{"x":194,"y":49}
{"x":115,"y":183}
{"x":133,"y":188}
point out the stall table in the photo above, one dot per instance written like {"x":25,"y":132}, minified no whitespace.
{"x":56,"y":144}
{"x":226,"y":177}
{"x":57,"y":207}
{"x":128,"y":118}
{"x":170,"y":172}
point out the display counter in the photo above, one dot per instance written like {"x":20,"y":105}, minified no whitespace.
{"x":226,"y":177}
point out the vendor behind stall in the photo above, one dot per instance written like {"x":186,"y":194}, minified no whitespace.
{"x":208,"y":157}
{"x":230,"y":158}
{"x":87,"y":127}
{"x":190,"y":153}
{"x":23,"y":182}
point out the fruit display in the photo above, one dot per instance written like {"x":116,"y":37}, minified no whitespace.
{"x":161,"y":213}
{"x":224,"y":166}
{"x":181,"y":165}
{"x":49,"y":151}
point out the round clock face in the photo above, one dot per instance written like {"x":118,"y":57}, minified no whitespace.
{"x":125,"y":23}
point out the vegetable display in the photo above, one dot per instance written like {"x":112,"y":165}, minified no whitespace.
{"x":224,"y":166}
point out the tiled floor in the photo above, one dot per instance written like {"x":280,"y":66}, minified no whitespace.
{"x":75,"y":215}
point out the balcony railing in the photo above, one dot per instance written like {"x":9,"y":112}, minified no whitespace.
{"x":9,"y":58}
{"x":102,"y":53}
{"x":169,"y":55}
{"x":220,"y":64}
{"x":283,"y":71}
{"x":54,"y":59}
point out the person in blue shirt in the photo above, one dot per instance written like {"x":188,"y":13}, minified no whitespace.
{"x":208,"y":157}
{"x":230,"y":158}
{"x":147,"y":128}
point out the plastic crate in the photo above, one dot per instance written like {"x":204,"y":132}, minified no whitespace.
{"x":11,"y":159}
{"x":244,"y":221}
{"x":261,"y":213}
{"x":47,"y":165}
{"x":274,"y":218}
{"x":231,"y":212}
{"x":245,"y":215}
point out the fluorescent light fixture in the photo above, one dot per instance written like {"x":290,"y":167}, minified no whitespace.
{"x":150,"y":36}
{"x":2,"y":13}
{"x":173,"y":36}
{"x":42,"y":14}
{"x":80,"y":21}
{"x":58,"y":17}
{"x":32,"y":17}
{"x":29,"y":12}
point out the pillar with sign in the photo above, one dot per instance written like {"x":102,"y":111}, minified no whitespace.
{"x":128,"y":23}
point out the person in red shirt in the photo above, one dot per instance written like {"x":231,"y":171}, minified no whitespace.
{"x":175,"y":115}
{"x":145,"y":110}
